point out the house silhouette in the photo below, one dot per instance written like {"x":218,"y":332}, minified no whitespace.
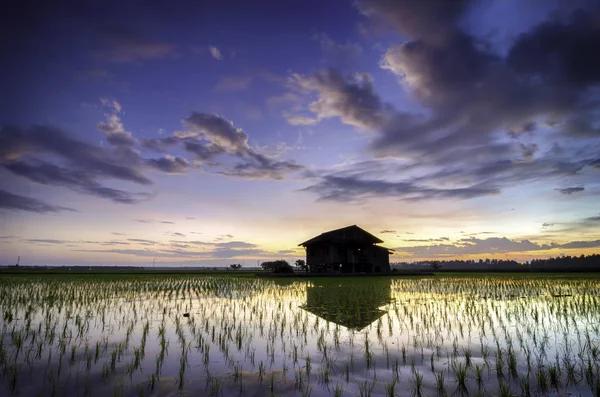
{"x":346,"y":250}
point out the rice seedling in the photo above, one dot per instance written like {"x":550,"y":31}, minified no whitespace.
{"x":366,"y":388}
{"x":338,"y":391}
{"x":128,"y":332}
{"x":504,"y":390}
{"x":542,"y":380}
{"x":439,"y":383}
{"x":460,"y":374}
{"x":525,"y":387}
{"x":417,"y":384}
{"x":554,"y":375}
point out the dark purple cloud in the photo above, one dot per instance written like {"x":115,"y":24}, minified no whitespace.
{"x":86,"y":168}
{"x":78,"y":180}
{"x":452,"y":181}
{"x":47,"y":241}
{"x":477,"y":105}
{"x":208,"y":136}
{"x":17,"y":143}
{"x":353,"y":188}
{"x":564,"y":52}
{"x":13,"y":201}
{"x":170,"y":164}
{"x":571,"y":190}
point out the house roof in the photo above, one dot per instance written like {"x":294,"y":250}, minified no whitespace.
{"x":348,"y":234}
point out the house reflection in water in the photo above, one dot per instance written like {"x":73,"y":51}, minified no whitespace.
{"x":353,"y":303}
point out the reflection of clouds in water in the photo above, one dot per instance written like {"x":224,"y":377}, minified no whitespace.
{"x":275,"y":330}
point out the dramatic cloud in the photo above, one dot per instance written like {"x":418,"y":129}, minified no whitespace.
{"x":49,"y":156}
{"x":16,"y":202}
{"x":570,"y":190}
{"x":353,"y":99}
{"x":562,"y":51}
{"x":472,"y":97}
{"x":477,"y":105}
{"x":474,"y":93}
{"x":207,"y":136}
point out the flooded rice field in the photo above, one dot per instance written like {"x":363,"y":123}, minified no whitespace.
{"x":157,"y":335}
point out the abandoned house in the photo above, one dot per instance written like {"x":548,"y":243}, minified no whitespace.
{"x":346,"y":250}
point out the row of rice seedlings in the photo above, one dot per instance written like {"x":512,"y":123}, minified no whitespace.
{"x":543,"y":334}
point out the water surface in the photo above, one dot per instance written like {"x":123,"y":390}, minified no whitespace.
{"x":128,"y":336}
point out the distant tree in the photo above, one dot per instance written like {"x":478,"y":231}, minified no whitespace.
{"x":278,"y":266}
{"x":301,"y":264}
{"x":435,"y":265}
{"x":236,"y":266}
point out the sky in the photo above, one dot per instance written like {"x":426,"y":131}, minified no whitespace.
{"x":209,"y":133}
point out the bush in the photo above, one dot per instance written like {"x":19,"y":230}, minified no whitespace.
{"x":279,"y":266}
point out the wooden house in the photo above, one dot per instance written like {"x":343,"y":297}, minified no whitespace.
{"x":346,"y":250}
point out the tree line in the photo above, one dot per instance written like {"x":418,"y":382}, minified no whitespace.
{"x":560,"y":263}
